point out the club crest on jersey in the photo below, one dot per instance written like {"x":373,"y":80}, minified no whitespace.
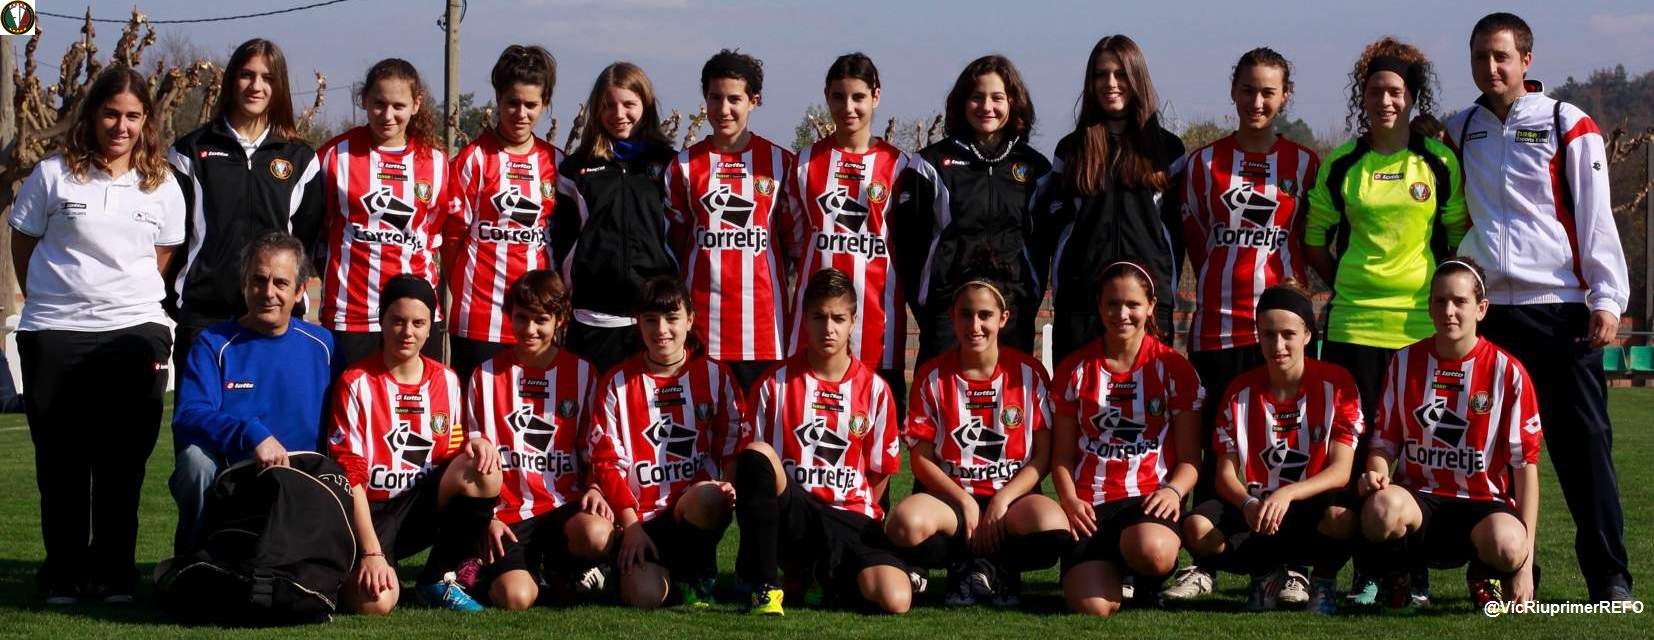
{"x":412,"y":449}
{"x":859,"y":425}
{"x":1481,"y":403}
{"x":764,"y":184}
{"x":877,"y":192}
{"x":547,"y":189}
{"x":566,"y":409}
{"x":1157,"y":407}
{"x":439,"y":423}
{"x":1441,"y":422}
{"x":281,"y":169}
{"x":677,"y":440}
{"x":1420,"y":191}
{"x":1286,"y":462}
{"x":1289,"y":186}
{"x":1011,"y":417}
{"x":819,"y":441}
{"x":976,"y":440}
{"x":703,"y":411}
{"x":422,"y":190}
{"x":1019,"y":171}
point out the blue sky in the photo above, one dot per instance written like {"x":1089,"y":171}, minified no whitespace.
{"x":919,"y":46}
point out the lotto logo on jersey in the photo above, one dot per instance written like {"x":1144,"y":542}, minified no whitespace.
{"x":1255,"y":211}
{"x":732,"y":214}
{"x":1286,"y":462}
{"x":388,"y":218}
{"x":522,"y":212}
{"x":536,"y":434}
{"x":1447,"y":428}
{"x":821,"y":442}
{"x":849,"y":218}
{"x":1119,"y":436}
{"x":678,"y":443}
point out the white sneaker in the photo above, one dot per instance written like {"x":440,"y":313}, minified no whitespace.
{"x":1128,"y":588}
{"x":1188,"y":583}
{"x":919,"y":580}
{"x":592,"y":581}
{"x":1294,"y":588}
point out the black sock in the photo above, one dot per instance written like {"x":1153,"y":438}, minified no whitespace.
{"x":463,"y":522}
{"x":758,"y":511}
{"x":1033,"y":551}
{"x":931,"y":553}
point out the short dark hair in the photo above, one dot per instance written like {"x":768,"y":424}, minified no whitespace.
{"x":1495,"y":22}
{"x":525,"y":64}
{"x":274,"y":241}
{"x":854,"y":66}
{"x":661,"y":294}
{"x":828,"y":284}
{"x":1020,"y":120}
{"x":732,"y":64}
{"x":540,"y":291}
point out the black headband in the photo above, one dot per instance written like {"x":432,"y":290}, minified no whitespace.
{"x":406,"y":286}
{"x":1284,"y":299}
{"x":1394,"y":65}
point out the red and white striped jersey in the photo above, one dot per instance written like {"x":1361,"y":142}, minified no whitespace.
{"x":728,"y":217}
{"x":1458,"y":427}
{"x":1282,"y":442}
{"x":1126,"y":448}
{"x":538,"y":419}
{"x":829,"y":435}
{"x":388,"y":435}
{"x":501,"y":204}
{"x":1240,"y":221}
{"x":983,"y":430}
{"x":384,"y":217}
{"x":843,"y":198}
{"x":654,"y":437}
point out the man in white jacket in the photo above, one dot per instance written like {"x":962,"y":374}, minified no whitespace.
{"x":1536,"y":178}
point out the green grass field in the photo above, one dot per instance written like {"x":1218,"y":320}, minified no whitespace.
{"x":22,"y":613}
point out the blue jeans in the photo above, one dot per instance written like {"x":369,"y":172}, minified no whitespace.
{"x":192,"y":477}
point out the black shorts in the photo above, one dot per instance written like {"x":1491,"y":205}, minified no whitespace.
{"x":831,"y":544}
{"x":1112,"y":520}
{"x":538,"y":539}
{"x":1443,"y":535}
{"x":684,"y":549}
{"x":603,"y":347}
{"x":407,"y":524}
{"x":1294,"y":543}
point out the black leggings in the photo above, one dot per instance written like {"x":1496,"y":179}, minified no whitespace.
{"x":94,"y":405}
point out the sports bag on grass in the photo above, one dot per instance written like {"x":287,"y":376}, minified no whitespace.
{"x":279,"y":544}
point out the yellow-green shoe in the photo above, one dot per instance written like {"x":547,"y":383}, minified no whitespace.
{"x":766,"y":601}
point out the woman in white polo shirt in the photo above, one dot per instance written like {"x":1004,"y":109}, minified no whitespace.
{"x":95,"y":227}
